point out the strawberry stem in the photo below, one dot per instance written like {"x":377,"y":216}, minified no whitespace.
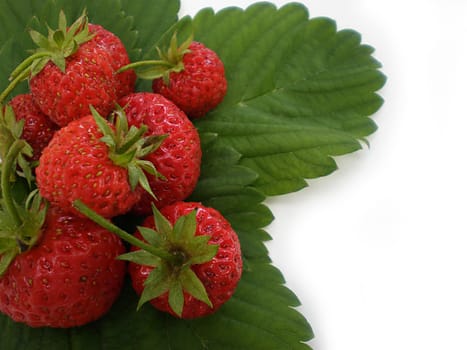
{"x":21,"y":72}
{"x":170,"y":61}
{"x":91,"y":214}
{"x":139,"y":64}
{"x":26,"y":64}
{"x":19,"y":78}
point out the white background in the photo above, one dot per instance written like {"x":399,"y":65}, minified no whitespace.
{"x":377,"y":251}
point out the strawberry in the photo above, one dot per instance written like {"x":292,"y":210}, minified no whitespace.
{"x":68,"y":72}
{"x":192,"y":76}
{"x":98,"y":162}
{"x":56,"y":270}
{"x":38,"y":129}
{"x":206,"y":264}
{"x":178,"y":158}
{"x":70,"y":278}
{"x":112,"y":44}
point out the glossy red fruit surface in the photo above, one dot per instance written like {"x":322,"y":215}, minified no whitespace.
{"x":38,"y":129}
{"x":89,"y":79}
{"x":220,"y":276}
{"x":76,"y":165}
{"x":200,"y":86}
{"x":70,"y":278}
{"x":178,"y":158}
{"x":115,"y":47}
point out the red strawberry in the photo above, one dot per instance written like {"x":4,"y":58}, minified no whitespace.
{"x":70,"y":278}
{"x":112,"y":44}
{"x":38,"y":129}
{"x":200,"y":86}
{"x":56,"y":270}
{"x":178,"y":158}
{"x":192,"y":76}
{"x":206,"y":264}
{"x":68,"y":72}
{"x":103,"y":171}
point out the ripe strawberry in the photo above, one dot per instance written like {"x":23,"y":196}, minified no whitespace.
{"x":200,"y":86}
{"x":177,"y":159}
{"x":70,"y":278}
{"x":97,"y":162}
{"x":38,"y":129}
{"x":112,"y":44}
{"x":68,"y":72}
{"x":192,"y":76}
{"x":56,"y":270}
{"x":206,"y":264}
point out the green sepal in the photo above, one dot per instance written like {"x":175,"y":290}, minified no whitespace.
{"x":40,"y":40}
{"x":128,"y":145}
{"x":155,"y":285}
{"x":193,"y":286}
{"x":173,"y":276}
{"x":20,"y":223}
{"x":61,"y":43}
{"x":205,"y":252}
{"x":8,"y":251}
{"x":176,"y":297}
{"x":162,"y":225}
{"x":32,"y":214}
{"x":11,"y":131}
{"x":167,"y":62}
{"x":141,"y":257}
{"x":185,"y":227}
{"x":56,"y":47}
{"x":151,"y":236}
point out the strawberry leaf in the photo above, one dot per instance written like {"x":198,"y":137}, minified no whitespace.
{"x":311,"y":98}
{"x":300,"y":93}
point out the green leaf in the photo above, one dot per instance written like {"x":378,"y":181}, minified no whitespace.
{"x":151,"y":22}
{"x":300,"y":92}
{"x":9,"y":250}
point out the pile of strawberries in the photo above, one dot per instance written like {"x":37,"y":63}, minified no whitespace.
{"x":91,"y":149}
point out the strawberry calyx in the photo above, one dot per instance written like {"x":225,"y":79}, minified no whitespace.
{"x":128,"y":147}
{"x":56,"y":47}
{"x":11,"y":131}
{"x":171,"y":250}
{"x":170,"y":60}
{"x":20,"y":223}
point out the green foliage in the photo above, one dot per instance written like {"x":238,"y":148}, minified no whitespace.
{"x":300,"y":92}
